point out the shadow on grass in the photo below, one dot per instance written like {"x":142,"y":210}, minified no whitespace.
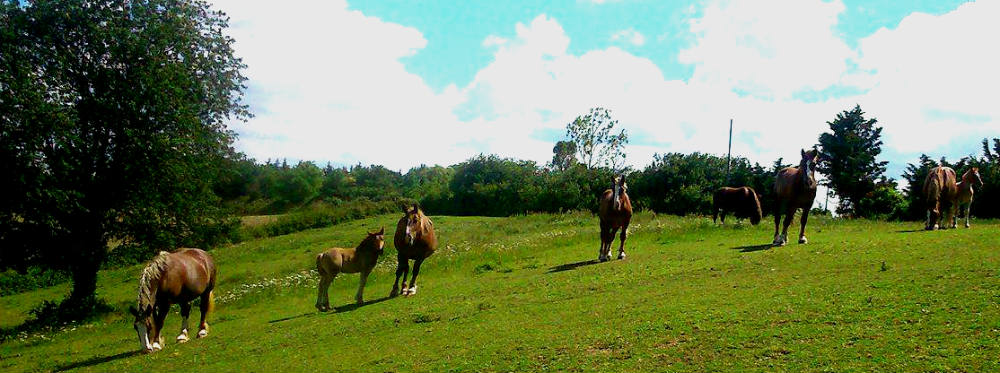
{"x":752,"y":248}
{"x":569,"y":266}
{"x":353,"y":306}
{"x":97,"y":360}
{"x":912,"y":231}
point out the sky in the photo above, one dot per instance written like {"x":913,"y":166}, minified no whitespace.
{"x":403,"y":83}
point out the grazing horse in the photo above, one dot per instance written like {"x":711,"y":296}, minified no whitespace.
{"x":795,"y":188}
{"x":177,"y":277}
{"x":965,"y":192}
{"x":742,"y":201}
{"x":338,"y":260}
{"x":615,"y":212}
{"x":414,"y":240}
{"x":940,"y":191}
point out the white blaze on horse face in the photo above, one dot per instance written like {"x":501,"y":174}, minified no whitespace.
{"x":143,"y":337}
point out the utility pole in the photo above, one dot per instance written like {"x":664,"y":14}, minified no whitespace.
{"x":729,"y":155}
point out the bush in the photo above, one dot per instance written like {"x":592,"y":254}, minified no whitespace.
{"x":322,"y":215}
{"x":32,"y":278}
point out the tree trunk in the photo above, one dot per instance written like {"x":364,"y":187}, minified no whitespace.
{"x":87,"y":258}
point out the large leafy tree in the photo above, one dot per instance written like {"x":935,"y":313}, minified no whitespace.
{"x":112,"y":126}
{"x":851,"y":149}
{"x":596,"y":139}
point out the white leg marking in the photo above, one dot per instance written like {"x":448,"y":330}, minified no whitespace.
{"x":202,"y":333}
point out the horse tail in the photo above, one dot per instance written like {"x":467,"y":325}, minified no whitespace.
{"x":211,"y":301}
{"x":319,"y":263}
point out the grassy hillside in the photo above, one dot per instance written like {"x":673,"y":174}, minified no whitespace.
{"x":523,"y":293}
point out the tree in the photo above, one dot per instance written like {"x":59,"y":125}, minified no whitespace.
{"x":596,"y":142}
{"x":563,"y":155}
{"x":113,"y":120}
{"x":850,"y":163}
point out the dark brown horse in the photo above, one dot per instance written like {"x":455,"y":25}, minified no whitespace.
{"x":178,"y":277}
{"x":338,"y":260}
{"x":965,"y":192}
{"x":615,"y":211}
{"x":940,"y":192}
{"x":414,"y":240}
{"x":742,"y":201}
{"x":795,"y":188}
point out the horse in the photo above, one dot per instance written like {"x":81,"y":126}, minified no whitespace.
{"x":334,"y":261}
{"x":964,"y":198}
{"x":414,"y":240}
{"x":940,"y":191}
{"x":177,"y":277}
{"x":795,"y":188}
{"x":615,"y":211}
{"x":742,"y":201}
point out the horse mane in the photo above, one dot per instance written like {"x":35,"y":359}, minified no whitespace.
{"x":149,"y":279}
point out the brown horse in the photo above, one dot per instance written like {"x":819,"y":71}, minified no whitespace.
{"x":940,"y":191}
{"x":615,"y":211}
{"x":177,"y":277}
{"x":965,"y":192}
{"x":414,"y":240}
{"x":338,"y":260}
{"x":742,"y":201}
{"x":795,"y":188}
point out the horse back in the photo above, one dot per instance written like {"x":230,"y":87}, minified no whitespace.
{"x":189,"y":273}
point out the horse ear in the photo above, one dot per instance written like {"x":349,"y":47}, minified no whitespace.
{"x":381,"y":231}
{"x":405,"y":208}
{"x":803,"y":153}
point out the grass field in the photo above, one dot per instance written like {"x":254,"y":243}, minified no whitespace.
{"x":523,"y":294}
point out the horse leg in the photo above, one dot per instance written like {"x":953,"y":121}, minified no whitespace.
{"x":802,"y":229}
{"x":323,"y":297}
{"x":621,"y":249}
{"x":159,"y":315}
{"x":205,"y":306}
{"x":967,"y":208}
{"x":606,"y":237}
{"x":789,"y":215}
{"x":953,"y":214}
{"x":402,"y":268}
{"x":185,"y":313}
{"x":413,"y":280}
{"x":777,"y":222}
{"x":360,"y":298}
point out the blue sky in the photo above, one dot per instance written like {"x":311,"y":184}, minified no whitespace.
{"x":403,"y":83}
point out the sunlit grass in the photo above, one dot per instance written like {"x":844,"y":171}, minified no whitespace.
{"x":521,"y":294}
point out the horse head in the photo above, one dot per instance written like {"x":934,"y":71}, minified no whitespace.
{"x":414,"y":223}
{"x":973,"y":176}
{"x":618,"y":188}
{"x":376,"y":240}
{"x":144,"y":326}
{"x":808,"y":164}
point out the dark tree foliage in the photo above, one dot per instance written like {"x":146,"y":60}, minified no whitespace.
{"x":683,"y":184}
{"x":563,"y":155}
{"x":851,"y":167}
{"x":112,"y":117}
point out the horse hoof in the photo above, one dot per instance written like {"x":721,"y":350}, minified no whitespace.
{"x":621,"y":255}
{"x":413,"y":290}
{"x":183,"y":337}
{"x":803,"y":240}
{"x":203,"y":333}
{"x":156,"y":346}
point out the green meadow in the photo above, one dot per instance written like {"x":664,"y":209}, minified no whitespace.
{"x":524,"y":294}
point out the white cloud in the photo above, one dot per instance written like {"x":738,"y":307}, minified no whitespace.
{"x":935,"y":77}
{"x":769,"y":50}
{"x":327,"y":84}
{"x":630,"y":36}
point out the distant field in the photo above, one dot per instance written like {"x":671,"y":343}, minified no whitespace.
{"x":522,"y":294}
{"x":258,"y":220}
